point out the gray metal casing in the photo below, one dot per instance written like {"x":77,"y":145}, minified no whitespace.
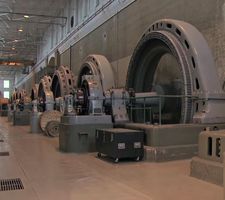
{"x":171,"y":142}
{"x":77,"y":133}
{"x":174,"y":134}
{"x":35,"y":122}
{"x":10,"y":115}
{"x":21,"y":118}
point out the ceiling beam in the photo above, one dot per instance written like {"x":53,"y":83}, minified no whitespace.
{"x":34,"y":15}
{"x":35,"y":22}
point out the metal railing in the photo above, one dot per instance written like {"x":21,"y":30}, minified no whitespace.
{"x":157,"y":109}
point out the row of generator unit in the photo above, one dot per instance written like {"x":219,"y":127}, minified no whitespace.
{"x":157,"y":115}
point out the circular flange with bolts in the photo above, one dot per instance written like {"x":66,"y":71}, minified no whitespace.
{"x":187,"y":45}
{"x":34,"y":92}
{"x":63,"y":82}
{"x":44,"y":89}
{"x":22,"y":94}
{"x":94,"y":79}
{"x":15,"y":95}
{"x":24,"y":97}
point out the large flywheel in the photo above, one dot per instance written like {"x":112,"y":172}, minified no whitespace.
{"x":95,"y":78}
{"x":63,"y":82}
{"x":34,"y":92}
{"x":174,"y":56}
{"x":45,"y":95}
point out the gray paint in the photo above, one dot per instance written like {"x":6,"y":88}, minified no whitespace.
{"x":21,"y":118}
{"x":77,"y":133}
{"x":171,"y":142}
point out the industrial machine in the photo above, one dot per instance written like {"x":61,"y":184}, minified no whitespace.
{"x":12,"y":105}
{"x":4,"y":106}
{"x":35,"y":114}
{"x":48,"y":101}
{"x":43,"y":101}
{"x":192,"y":66}
{"x":43,"y":106}
{"x":186,"y":101}
{"x":21,"y":108}
{"x":45,"y":95}
{"x":174,"y":55}
{"x":34,"y":92}
{"x":84,"y":108}
{"x":167,"y":95}
{"x":95,"y":104}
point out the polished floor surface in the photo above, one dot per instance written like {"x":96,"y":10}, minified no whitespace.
{"x":48,"y":174}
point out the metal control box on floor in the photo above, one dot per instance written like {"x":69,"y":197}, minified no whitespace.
{"x":119,"y":143}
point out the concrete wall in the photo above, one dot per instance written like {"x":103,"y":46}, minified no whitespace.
{"x":117,"y":38}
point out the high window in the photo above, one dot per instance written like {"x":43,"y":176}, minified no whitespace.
{"x":6,"y":84}
{"x":6,"y":94}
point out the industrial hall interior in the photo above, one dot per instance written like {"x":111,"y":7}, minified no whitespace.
{"x":112,"y":100}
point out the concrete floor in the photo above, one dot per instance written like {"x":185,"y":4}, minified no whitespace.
{"x":48,"y":174}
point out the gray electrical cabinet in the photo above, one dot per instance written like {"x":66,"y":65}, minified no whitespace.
{"x":119,"y":143}
{"x":77,"y":133}
{"x":21,"y":118}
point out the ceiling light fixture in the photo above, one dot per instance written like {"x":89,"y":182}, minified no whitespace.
{"x":16,"y":40}
{"x":13,"y":48}
{"x":26,"y":16}
{"x":20,"y":30}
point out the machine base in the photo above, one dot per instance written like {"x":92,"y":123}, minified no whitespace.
{"x":171,"y":142}
{"x":35,"y":122}
{"x":77,"y":133}
{"x":207,"y":170}
{"x":4,"y":113}
{"x":21,"y":118}
{"x":10,"y":116}
{"x":168,"y":153}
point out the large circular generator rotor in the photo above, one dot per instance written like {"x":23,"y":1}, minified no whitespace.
{"x":171,"y":54}
{"x":34,"y":92}
{"x":63,"y":82}
{"x":45,"y":94}
{"x":95,"y":77}
{"x":97,"y":65}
